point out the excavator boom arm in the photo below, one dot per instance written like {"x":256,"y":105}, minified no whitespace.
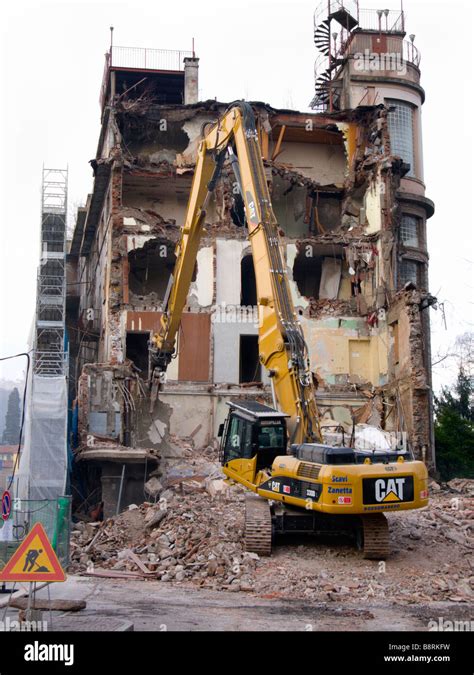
{"x":282,"y":348}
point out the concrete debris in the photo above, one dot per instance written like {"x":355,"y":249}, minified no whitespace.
{"x":155,"y":517}
{"x":463,"y":485}
{"x":153,"y":487}
{"x":216,"y":486}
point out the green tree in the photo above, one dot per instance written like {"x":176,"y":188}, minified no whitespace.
{"x":12,"y":419}
{"x":454,"y":429}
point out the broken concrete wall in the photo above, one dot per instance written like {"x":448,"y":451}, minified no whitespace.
{"x":193,"y":413}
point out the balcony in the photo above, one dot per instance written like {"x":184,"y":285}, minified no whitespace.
{"x":358,"y":43}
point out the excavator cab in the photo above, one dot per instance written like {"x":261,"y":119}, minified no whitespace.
{"x":253,"y":429}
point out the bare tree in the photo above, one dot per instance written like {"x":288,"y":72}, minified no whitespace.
{"x":461,"y":353}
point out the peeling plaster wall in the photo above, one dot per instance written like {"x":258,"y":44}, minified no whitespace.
{"x":179,"y":414}
{"x":403,"y":365}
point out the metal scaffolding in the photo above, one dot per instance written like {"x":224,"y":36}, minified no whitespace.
{"x":50,"y":356}
{"x":43,"y":465}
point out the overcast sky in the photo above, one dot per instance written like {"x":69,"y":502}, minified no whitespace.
{"x":52,"y":56}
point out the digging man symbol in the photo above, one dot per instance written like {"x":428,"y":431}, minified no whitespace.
{"x":30,"y":561}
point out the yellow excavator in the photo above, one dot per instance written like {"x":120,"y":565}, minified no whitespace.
{"x":297,"y":483}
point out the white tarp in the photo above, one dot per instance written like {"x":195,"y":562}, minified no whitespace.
{"x":367,"y":438}
{"x":370,"y":439}
{"x":43,"y":464}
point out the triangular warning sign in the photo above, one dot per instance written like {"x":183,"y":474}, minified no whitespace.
{"x":34,"y":560}
{"x":391,"y":497}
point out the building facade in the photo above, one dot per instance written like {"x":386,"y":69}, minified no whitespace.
{"x":349,"y":199}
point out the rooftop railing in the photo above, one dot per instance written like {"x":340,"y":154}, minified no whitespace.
{"x":140,"y":58}
{"x":148,"y":59}
{"x":387,"y":21}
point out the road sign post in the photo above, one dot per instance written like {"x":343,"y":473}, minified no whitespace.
{"x":6,"y":505}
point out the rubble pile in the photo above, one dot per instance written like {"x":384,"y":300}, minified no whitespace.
{"x":188,"y":535}
{"x":431,"y":558}
{"x":194,"y":535}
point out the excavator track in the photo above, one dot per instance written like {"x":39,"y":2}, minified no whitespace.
{"x":258,"y":525}
{"x":376,"y":536}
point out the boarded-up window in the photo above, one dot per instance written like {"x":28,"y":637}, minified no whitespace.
{"x":359,"y":359}
{"x":194,"y":340}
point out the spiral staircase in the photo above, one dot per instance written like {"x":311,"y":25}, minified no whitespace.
{"x":330,"y":55}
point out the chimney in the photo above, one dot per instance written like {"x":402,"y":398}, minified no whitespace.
{"x":191,"y":70}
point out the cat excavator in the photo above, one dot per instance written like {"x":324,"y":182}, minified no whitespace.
{"x":297,"y":483}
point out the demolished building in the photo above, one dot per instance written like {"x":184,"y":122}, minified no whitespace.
{"x":347,"y":188}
